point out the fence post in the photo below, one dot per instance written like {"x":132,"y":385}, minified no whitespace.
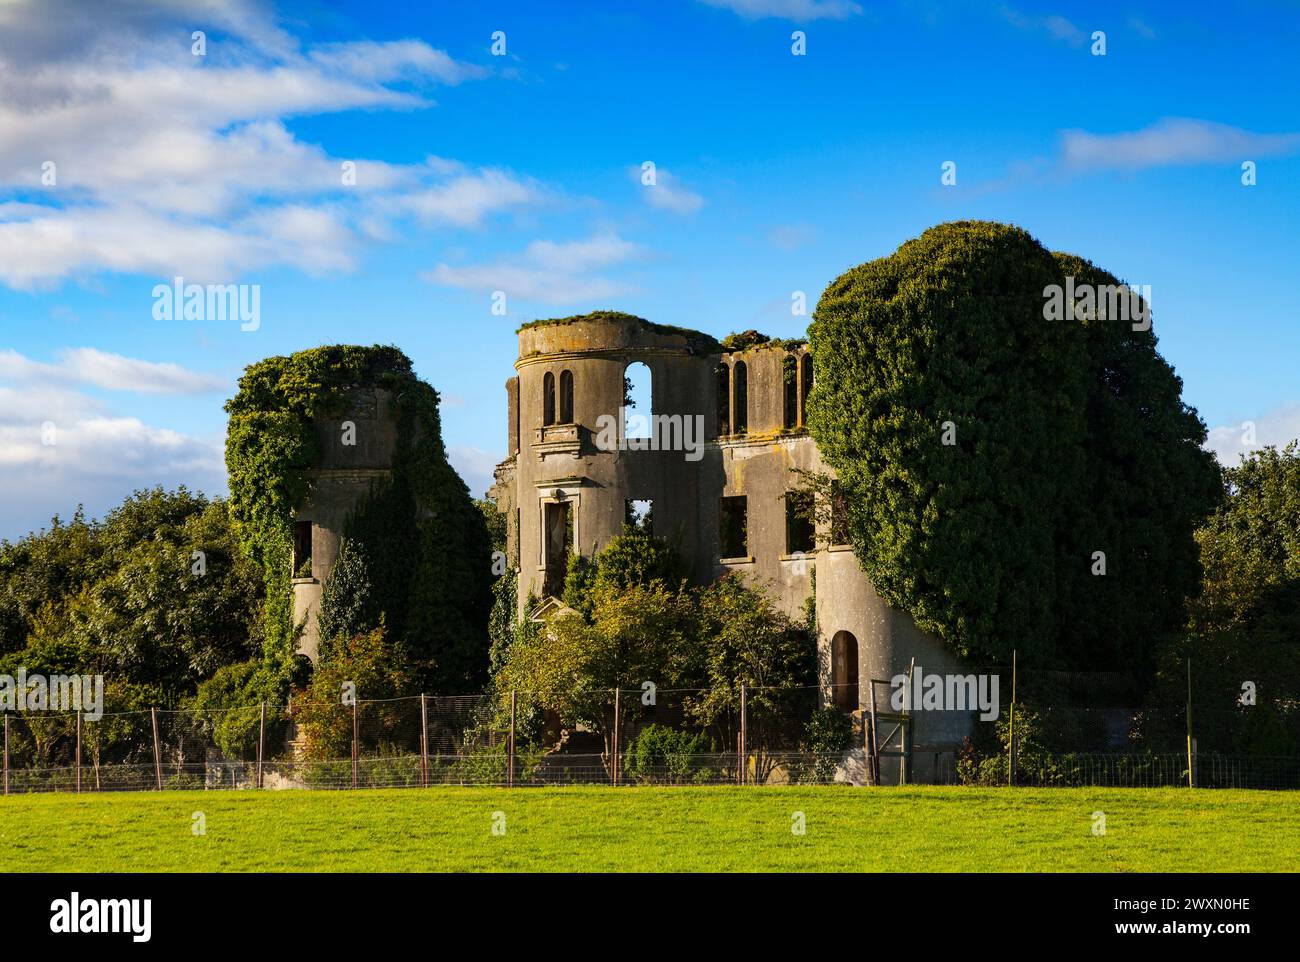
{"x":261,"y":740}
{"x":1011,"y":737}
{"x":744,"y":732}
{"x":424,"y":741}
{"x":6,"y":753}
{"x":157,"y":755}
{"x":78,"y":752}
{"x":614,"y":770}
{"x":866,"y":746}
{"x":905,"y":745}
{"x":354,"y":742}
{"x":510,"y":772}
{"x":1191,"y":781}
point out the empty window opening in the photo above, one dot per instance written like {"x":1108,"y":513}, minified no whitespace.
{"x":740,"y":405}
{"x":548,"y":399}
{"x":566,"y":397}
{"x":733,"y":527}
{"x":722,"y":374}
{"x":805,"y":387}
{"x":800,"y":530}
{"x":513,"y":400}
{"x":558,"y":544}
{"x":839,"y":515}
{"x":302,"y":549}
{"x":790,"y":391}
{"x":640,"y":516}
{"x":844,"y":671}
{"x":637,"y":401}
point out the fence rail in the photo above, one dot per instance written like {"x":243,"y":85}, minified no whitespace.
{"x":491,"y":740}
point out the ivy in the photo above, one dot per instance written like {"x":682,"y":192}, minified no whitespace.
{"x":418,"y":535}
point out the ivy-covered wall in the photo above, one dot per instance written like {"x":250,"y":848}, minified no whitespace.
{"x":422,"y":541}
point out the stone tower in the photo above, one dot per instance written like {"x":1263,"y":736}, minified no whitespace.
{"x":356,"y":448}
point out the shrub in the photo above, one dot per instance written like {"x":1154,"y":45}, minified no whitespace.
{"x":827,"y":735}
{"x":663,"y":754}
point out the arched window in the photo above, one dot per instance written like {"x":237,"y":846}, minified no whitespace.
{"x":548,"y":398}
{"x":844,"y":671}
{"x":790,"y":390}
{"x":805,"y":388}
{"x":740,"y":406}
{"x":638,"y":400}
{"x":723,"y":375}
{"x":566,"y":397}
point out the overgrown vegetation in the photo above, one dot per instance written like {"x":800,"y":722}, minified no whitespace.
{"x":988,"y":454}
{"x":636,"y":619}
{"x":419,"y":548}
{"x":156,"y":597}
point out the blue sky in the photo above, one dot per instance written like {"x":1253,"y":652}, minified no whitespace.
{"x":521,"y":173}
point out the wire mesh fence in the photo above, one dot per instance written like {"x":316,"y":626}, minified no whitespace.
{"x":813,"y":735}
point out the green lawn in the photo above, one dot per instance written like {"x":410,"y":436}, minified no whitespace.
{"x":666,"y":829}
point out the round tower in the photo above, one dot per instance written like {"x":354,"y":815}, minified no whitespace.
{"x":578,"y":459}
{"x":356,"y":448}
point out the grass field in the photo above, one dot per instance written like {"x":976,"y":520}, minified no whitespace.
{"x":664,"y":829}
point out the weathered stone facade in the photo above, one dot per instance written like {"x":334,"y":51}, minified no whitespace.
{"x":562,"y":485}
{"x":355,"y":449}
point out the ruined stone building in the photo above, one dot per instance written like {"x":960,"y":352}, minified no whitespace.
{"x":727,"y":428}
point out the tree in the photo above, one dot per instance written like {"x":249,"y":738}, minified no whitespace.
{"x":987,"y":455}
{"x":156,"y":596}
{"x":1245,"y":624}
{"x":345,"y":606}
{"x":375,"y":670}
{"x":744,"y":639}
{"x":573,"y":664}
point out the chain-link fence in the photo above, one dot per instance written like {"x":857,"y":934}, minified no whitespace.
{"x":880,"y":732}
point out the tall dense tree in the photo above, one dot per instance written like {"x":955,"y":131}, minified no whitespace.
{"x":1244,"y":629}
{"x":156,"y":597}
{"x":994,"y":462}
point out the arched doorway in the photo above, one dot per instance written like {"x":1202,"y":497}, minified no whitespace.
{"x":844,"y":671}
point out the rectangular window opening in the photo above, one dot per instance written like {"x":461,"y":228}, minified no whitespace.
{"x":733,"y":527}
{"x":558,"y":542}
{"x":800,"y":529}
{"x":302,"y":549}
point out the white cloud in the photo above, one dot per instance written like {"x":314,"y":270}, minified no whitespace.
{"x":60,"y":448}
{"x":546,"y":271}
{"x":1172,"y":141}
{"x":1277,"y":427}
{"x":475,"y":467}
{"x":1055,"y":26}
{"x":801,"y":10}
{"x":468,"y":198}
{"x":386,"y":62}
{"x":667,"y":192}
{"x":167,"y":163}
{"x":86,"y":365}
{"x":789,"y":237}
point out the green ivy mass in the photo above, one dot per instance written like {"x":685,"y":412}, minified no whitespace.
{"x":424,"y":543}
{"x":987,"y":452}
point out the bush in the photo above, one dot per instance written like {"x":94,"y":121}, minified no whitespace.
{"x":663,"y":754}
{"x":827,"y":735}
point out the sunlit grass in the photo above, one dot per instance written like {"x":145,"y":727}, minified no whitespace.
{"x":657,"y":829}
